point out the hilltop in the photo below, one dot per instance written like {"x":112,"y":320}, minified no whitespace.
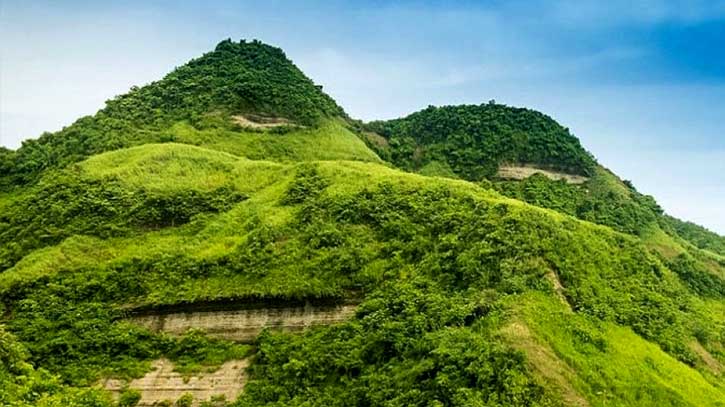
{"x":193,"y":104}
{"x":234,"y":189}
{"x":472,"y":141}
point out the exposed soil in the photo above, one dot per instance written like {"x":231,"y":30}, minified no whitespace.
{"x":244,"y":325}
{"x":523,"y":172}
{"x":544,"y":362}
{"x":558,"y":288}
{"x":261,"y":122}
{"x":163,"y":383}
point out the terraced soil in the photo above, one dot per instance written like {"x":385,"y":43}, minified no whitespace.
{"x":243,"y":325}
{"x":523,"y":172}
{"x":162,"y":383}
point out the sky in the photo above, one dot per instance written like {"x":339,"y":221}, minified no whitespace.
{"x":641,"y":83}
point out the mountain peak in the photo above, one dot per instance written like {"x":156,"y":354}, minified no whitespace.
{"x":247,"y":79}
{"x":236,"y":77}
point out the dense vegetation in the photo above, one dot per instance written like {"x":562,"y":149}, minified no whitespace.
{"x":411,"y":345}
{"x":602,"y":199}
{"x":473,"y":140}
{"x":698,"y":235}
{"x":584,"y":295}
{"x":66,"y":205}
{"x":324,"y":229}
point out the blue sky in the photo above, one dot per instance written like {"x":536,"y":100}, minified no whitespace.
{"x":642,"y":84}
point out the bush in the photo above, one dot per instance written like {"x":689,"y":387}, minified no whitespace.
{"x":129,"y":398}
{"x":66,"y":204}
{"x":187,"y":400}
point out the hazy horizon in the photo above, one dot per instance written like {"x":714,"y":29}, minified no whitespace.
{"x":642,"y":86}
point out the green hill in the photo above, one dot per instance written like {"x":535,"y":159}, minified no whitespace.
{"x":195,"y":104}
{"x":476,"y":291}
{"x":473,"y":140}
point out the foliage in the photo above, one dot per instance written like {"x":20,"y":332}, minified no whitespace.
{"x":474,"y":139}
{"x":541,"y":191}
{"x":606,"y":200}
{"x":698,"y":235}
{"x":186,"y":400}
{"x":330,"y":140}
{"x":307,"y":184}
{"x":66,"y":204}
{"x":597,"y":352}
{"x":75,"y":335}
{"x":203,"y":210}
{"x":129,"y":398}
{"x":412,"y":344}
{"x":195,"y":352}
{"x":698,"y":278}
{"x":596,"y":201}
{"x":24,"y":386}
{"x":320,"y":230}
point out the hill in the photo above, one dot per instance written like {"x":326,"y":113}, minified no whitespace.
{"x":472,"y":141}
{"x":528,"y":156}
{"x":198,"y":103}
{"x":458,"y":290}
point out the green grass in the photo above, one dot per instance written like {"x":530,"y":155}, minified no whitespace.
{"x":331,"y":140}
{"x":172,"y":166}
{"x":351,"y":225}
{"x":612,"y":365}
{"x":235,"y":78}
{"x":437,"y":169}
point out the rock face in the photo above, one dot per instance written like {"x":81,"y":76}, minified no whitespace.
{"x":243,"y":325}
{"x":523,"y":172}
{"x":162,"y":383}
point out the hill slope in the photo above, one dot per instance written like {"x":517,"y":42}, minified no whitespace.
{"x":583,"y":295}
{"x":506,"y":145}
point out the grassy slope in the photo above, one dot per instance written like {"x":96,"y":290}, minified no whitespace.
{"x":607,"y":200}
{"x":352,"y":225}
{"x":331,"y":140}
{"x":609,"y":364}
{"x":698,"y":236}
